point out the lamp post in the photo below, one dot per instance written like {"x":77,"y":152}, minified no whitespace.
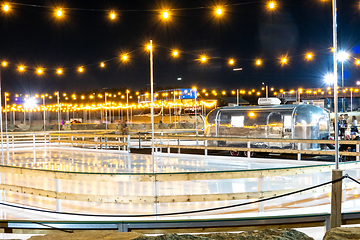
{"x":335,"y":84}
{"x":342,"y":56}
{"x":127,"y":105}
{"x":58,"y":102}
{"x":152,"y":100}
{"x":1,"y":126}
{"x":43,"y":97}
{"x":6,"y":127}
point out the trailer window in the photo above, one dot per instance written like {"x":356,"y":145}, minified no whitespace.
{"x":237,"y":121}
{"x":287,"y":121}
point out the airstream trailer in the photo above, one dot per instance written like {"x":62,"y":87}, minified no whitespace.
{"x":273,"y":121}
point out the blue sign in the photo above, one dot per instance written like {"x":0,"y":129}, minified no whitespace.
{"x":188,"y":93}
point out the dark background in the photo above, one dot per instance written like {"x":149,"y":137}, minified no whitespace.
{"x":31,"y":35}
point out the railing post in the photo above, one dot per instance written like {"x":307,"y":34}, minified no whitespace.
{"x":13,"y":141}
{"x":139,"y":140}
{"x":248,"y":152}
{"x":95,"y":140}
{"x":128,"y":143}
{"x":336,"y":192}
{"x":72,"y":141}
{"x":57,"y":190}
{"x":119,"y":143}
{"x":299,"y":154}
{"x":260,"y":190}
{"x":179,"y":146}
{"x":168,"y":149}
{"x":83,"y":139}
{"x":357,"y":150}
{"x":206,"y":150}
{"x":34,"y":141}
{"x":7,"y":142}
{"x":59,"y":140}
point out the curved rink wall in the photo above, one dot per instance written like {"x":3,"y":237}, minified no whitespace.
{"x":117,"y":183}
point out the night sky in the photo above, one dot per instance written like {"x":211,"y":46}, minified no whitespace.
{"x":86,"y":36}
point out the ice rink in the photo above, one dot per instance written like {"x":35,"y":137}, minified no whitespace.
{"x":176,"y":194}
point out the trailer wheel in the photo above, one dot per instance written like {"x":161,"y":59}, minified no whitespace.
{"x":252,"y":154}
{"x":234,"y":153}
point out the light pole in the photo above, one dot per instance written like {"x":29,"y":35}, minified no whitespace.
{"x":127,"y":105}
{"x":58,"y":102}
{"x":342,"y":56}
{"x":106,"y":125}
{"x":43,"y":97}
{"x":6,"y":128}
{"x":152,"y":100}
{"x":335,"y":84}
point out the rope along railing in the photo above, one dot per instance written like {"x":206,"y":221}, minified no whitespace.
{"x":185,"y":212}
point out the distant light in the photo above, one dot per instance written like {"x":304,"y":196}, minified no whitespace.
{"x":357,"y":61}
{"x":80,"y":69}
{"x":175,"y":53}
{"x":231,"y":61}
{"x":4,"y":64}
{"x":179,"y":79}
{"x":237,"y":69}
{"x":30,"y":103}
{"x":165,"y":14}
{"x":219,"y":11}
{"x":309,"y":56}
{"x":21,"y":68}
{"x":284,"y":60}
{"x":59,"y":71}
{"x":112,"y":15}
{"x":272,"y":5}
{"x":102,"y":64}
{"x":148,"y":47}
{"x":39,"y":71}
{"x":203,"y":58}
{"x":251,"y":114}
{"x":342,"y":56}
{"x":124,"y":57}
{"x":59,"y":12}
{"x":258,"y":62}
{"x":329,"y":78}
{"x":357,"y":82}
{"x":6,"y":7}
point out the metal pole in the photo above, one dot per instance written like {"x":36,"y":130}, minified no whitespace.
{"x":334,"y":9}
{"x":237,"y":97}
{"x":342,"y":85}
{"x":6,"y":128}
{"x":58,"y":102}
{"x":127,"y":105}
{"x":267,"y":91}
{"x":105,"y":110}
{"x":1,"y":124}
{"x":44,"y":111}
{"x":351,"y":99}
{"x":152,"y":99}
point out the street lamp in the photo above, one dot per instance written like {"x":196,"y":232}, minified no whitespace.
{"x":343,"y":56}
{"x":127,"y":105}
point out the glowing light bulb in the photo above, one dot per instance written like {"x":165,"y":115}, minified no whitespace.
{"x":39,"y":71}
{"x":284,"y":60}
{"x":59,"y":71}
{"x":165,"y":15}
{"x":102,"y":64}
{"x":21,"y":68}
{"x":175,"y":53}
{"x":6,"y":7}
{"x":81,"y":69}
{"x":258,"y":62}
{"x":124,"y":57}
{"x":219,"y":11}
{"x":112,"y":15}
{"x":231,"y":61}
{"x":4,"y":64}
{"x":271,"y":5}
{"x":309,"y":56}
{"x":59,"y":12}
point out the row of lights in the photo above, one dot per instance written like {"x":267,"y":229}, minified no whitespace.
{"x":165,"y":14}
{"x":175,"y":53}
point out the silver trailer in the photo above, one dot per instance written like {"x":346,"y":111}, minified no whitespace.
{"x":280,"y":121}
